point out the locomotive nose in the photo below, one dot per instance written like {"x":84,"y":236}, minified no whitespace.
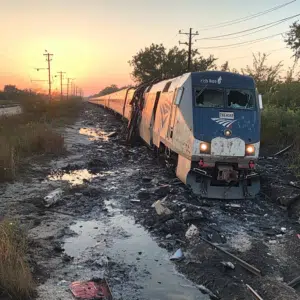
{"x":228,"y":147}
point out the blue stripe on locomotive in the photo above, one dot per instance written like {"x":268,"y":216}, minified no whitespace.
{"x":246,"y":123}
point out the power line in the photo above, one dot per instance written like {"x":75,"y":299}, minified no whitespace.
{"x":269,"y":52}
{"x":274,"y":23}
{"x":244,"y":43}
{"x":239,"y":36}
{"x":189,"y":44}
{"x":243,"y":19}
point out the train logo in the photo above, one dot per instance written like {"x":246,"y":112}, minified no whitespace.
{"x":164,"y":111}
{"x":224,"y":122}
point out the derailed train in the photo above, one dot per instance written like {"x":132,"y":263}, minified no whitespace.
{"x":211,"y":120}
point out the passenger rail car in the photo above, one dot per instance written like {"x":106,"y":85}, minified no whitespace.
{"x":211,"y":120}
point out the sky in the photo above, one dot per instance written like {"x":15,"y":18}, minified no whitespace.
{"x":93,"y":40}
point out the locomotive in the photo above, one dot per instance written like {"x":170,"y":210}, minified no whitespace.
{"x":210,"y":120}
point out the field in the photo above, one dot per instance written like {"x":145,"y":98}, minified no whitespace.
{"x":33,"y":132}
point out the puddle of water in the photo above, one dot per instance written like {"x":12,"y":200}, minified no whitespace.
{"x":76,"y":177}
{"x":94,"y":134}
{"x":135,"y":247}
{"x":87,"y":231}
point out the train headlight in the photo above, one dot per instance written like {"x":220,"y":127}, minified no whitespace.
{"x":250,"y":150}
{"x":204,"y":147}
{"x":227,"y":132}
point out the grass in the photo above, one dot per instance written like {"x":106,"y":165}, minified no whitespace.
{"x":15,"y":277}
{"x":35,"y":131}
{"x":280,"y":126}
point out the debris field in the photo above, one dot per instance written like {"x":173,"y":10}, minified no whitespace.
{"x":114,"y":212}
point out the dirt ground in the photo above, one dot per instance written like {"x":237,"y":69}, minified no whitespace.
{"x":105,"y":224}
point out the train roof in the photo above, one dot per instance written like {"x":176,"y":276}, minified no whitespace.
{"x":222,"y":79}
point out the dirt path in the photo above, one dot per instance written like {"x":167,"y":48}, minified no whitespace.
{"x":8,"y":111}
{"x":105,"y":224}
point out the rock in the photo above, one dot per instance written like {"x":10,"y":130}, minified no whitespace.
{"x":53,"y":197}
{"x":178,"y":255}
{"x":112,"y":134}
{"x":146,"y":179}
{"x":192,"y":215}
{"x":162,"y":190}
{"x":168,"y":236}
{"x":283,"y":230}
{"x":161,"y":209}
{"x":228,"y":264}
{"x":173,"y":225}
{"x":57,"y":247}
{"x":95,"y":165}
{"x":91,"y":192}
{"x":144,"y":195}
{"x":192,"y":232}
{"x":101,"y":262}
{"x":67,"y":258}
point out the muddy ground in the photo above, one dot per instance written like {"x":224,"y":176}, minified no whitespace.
{"x":105,"y":226}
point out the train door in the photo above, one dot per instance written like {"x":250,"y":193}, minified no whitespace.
{"x":157,"y":96}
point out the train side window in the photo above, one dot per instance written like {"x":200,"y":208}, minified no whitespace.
{"x":166,"y":88}
{"x":241,"y":99}
{"x":155,"y":105}
{"x":179,"y":95}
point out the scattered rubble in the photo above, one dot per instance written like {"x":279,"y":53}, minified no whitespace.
{"x":161,"y":209}
{"x":253,"y":292}
{"x":128,"y":181}
{"x":192,"y":232}
{"x":53,"y":197}
{"x":228,"y":265}
{"x":178,"y":255}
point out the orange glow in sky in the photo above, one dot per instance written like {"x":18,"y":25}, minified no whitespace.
{"x":93,"y":40}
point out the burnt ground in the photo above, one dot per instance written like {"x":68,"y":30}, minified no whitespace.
{"x":104,"y":224}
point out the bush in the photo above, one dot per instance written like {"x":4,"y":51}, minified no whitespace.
{"x":280,"y":126}
{"x":15,"y":276}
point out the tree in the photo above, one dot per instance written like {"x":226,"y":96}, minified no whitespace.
{"x":266,"y":77}
{"x":156,"y":61}
{"x":108,"y":90}
{"x":225,"y":67}
{"x":292,"y":39}
{"x":10,"y":89}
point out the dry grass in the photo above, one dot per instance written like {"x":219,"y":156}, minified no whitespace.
{"x":33,"y":132}
{"x":15,"y":277}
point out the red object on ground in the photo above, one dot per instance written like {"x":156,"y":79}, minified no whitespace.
{"x":92,"y":290}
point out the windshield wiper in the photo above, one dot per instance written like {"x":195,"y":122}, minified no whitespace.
{"x":197,"y":95}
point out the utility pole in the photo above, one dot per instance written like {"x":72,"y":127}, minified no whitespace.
{"x":189,"y":44}
{"x":61,"y":84}
{"x":68,"y":84}
{"x":76,"y":91}
{"x":48,"y":59}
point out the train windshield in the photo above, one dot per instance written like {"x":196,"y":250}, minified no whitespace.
{"x":234,"y":98}
{"x":209,"y":97}
{"x":240,"y":99}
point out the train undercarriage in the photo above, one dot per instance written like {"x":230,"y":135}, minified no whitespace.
{"x":224,"y":182}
